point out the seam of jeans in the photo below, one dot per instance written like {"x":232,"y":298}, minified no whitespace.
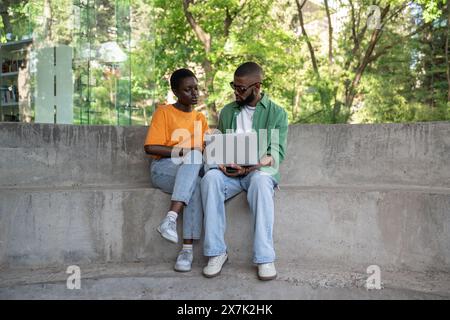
{"x":191,"y":192}
{"x":161,"y":174}
{"x":214,"y":253}
{"x":180,"y":200}
{"x":264,"y":260}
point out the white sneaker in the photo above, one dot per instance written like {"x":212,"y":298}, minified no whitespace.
{"x":267,"y":271}
{"x":184,"y":261}
{"x":215,"y":265}
{"x":168,"y":229}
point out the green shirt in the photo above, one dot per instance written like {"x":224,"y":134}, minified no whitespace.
{"x":269,"y":116}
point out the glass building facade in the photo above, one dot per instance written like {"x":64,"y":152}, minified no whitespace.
{"x":69,"y":61}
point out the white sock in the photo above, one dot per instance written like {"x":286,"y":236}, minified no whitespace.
{"x":172,"y":214}
{"x":187,"y":246}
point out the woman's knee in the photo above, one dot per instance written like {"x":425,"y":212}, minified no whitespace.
{"x":162,"y":178}
{"x":193,"y":157}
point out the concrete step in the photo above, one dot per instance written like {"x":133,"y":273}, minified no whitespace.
{"x":398,"y":228}
{"x":236,"y":282}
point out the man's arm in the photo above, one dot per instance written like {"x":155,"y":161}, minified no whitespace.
{"x":277,"y":149}
{"x":221,"y":124}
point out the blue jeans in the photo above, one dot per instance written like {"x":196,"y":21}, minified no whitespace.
{"x":216,"y":188}
{"x":180,"y":177}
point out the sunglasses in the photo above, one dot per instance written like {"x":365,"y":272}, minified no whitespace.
{"x":242,"y":89}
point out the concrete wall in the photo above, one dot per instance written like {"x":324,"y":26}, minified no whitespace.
{"x":368,"y":155}
{"x":318,"y":155}
{"x":351,"y":195}
{"x":65,"y":155}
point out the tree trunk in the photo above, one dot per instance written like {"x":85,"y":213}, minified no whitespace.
{"x":23,"y":84}
{"x":305,"y":35}
{"x":296,"y":106}
{"x":350,"y":90}
{"x":330,"y":34}
{"x":209,"y":82}
{"x":48,"y":21}
{"x":336,"y":107}
{"x":433,"y":66}
{"x":144,"y":111}
{"x":5,"y":17}
{"x":447,"y":50}
{"x":205,"y":38}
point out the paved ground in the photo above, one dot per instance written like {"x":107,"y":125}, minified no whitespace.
{"x":140,"y":281}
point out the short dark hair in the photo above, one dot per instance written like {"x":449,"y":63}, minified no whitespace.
{"x":249,"y":68}
{"x":178,"y":75}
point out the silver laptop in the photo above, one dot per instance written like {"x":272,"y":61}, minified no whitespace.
{"x":228,"y":148}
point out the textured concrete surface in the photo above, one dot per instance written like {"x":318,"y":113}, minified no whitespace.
{"x":236,"y":282}
{"x":318,"y":155}
{"x":393,"y":228}
{"x":351,"y":196}
{"x":360,"y":155}
{"x":45,"y":155}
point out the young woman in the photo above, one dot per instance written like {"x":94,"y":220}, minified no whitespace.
{"x":175,"y":141}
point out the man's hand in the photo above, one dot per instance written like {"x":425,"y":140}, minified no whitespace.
{"x":266,"y":161}
{"x":240,"y":171}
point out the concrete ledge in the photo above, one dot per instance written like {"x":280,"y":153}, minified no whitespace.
{"x":44,"y":155}
{"x":377,"y":154}
{"x":407,"y":230}
{"x":324,"y":155}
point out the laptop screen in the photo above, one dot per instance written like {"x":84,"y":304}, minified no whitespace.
{"x":237,"y":148}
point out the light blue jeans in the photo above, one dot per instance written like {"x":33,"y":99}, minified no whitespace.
{"x":216,"y":188}
{"x":182,"y":180}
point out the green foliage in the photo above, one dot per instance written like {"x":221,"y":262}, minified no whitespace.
{"x":432,"y":9}
{"x":405,"y":82}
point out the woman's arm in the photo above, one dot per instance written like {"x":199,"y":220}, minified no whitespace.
{"x":163,"y":151}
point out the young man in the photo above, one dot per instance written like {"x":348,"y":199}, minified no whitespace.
{"x":252,"y":110}
{"x":176,"y":164}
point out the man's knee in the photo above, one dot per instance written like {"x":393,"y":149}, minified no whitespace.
{"x":261,"y":180}
{"x":260,"y":184}
{"x":213,"y":177}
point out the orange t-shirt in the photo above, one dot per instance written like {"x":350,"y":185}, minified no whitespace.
{"x":171,"y":127}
